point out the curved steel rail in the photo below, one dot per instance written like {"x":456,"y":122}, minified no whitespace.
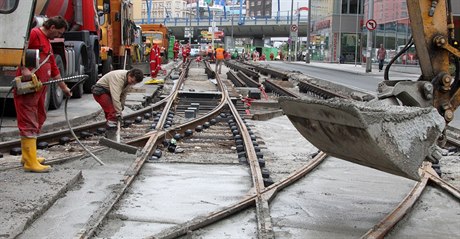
{"x":151,"y":140}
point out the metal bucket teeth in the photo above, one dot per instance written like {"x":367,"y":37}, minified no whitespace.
{"x":393,"y":139}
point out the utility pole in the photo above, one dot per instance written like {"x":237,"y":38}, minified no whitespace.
{"x":290,"y":32}
{"x":370,"y":15}
{"x":213,"y":26}
{"x":233,"y":40}
{"x":296,"y":42}
{"x":358,"y":11}
{"x":307,"y":57}
{"x":190,"y":27}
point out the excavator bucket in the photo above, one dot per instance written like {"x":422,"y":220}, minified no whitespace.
{"x":393,"y":139}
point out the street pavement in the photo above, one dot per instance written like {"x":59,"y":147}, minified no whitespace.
{"x":361,"y":69}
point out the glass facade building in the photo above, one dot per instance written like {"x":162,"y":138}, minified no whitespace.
{"x":338,"y":29}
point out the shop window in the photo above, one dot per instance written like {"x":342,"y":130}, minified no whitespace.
{"x":353,"y":6}
{"x":344,"y":6}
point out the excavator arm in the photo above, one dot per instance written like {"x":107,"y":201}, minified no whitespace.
{"x":432,"y":30}
{"x":405,"y":125}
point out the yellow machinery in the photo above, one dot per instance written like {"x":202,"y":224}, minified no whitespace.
{"x":158,"y":34}
{"x":118,"y":32}
{"x":406,"y":124}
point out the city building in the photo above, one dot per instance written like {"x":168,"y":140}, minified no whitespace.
{"x":338,"y":29}
{"x":159,"y":9}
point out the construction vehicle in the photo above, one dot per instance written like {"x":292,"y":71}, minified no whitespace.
{"x":406,"y":124}
{"x":158,"y":34}
{"x":76,"y":53}
{"x":118,"y":34}
{"x":95,"y":39}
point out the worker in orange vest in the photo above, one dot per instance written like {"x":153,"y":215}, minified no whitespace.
{"x":220,"y":56}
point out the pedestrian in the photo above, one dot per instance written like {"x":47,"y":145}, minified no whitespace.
{"x":381,"y":54}
{"x":272,"y":56}
{"x":220,"y":56}
{"x":30,"y":108}
{"x":176,"y":48}
{"x":110,"y":92}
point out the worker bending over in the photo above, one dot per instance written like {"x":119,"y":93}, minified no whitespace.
{"x":30,"y":108}
{"x":110,"y":92}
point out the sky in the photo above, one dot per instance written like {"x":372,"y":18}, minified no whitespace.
{"x":285,"y":5}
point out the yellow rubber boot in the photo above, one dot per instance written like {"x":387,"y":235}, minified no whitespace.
{"x":40,"y":160}
{"x":29,"y":154}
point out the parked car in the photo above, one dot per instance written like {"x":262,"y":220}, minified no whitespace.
{"x":196,"y":49}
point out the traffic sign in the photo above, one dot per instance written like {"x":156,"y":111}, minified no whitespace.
{"x":371,"y":24}
{"x":294,"y":28}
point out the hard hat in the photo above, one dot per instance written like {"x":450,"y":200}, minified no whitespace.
{"x":147,"y":42}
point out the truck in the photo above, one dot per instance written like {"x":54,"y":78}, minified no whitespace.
{"x":158,"y":34}
{"x":118,"y":34}
{"x":97,"y":40}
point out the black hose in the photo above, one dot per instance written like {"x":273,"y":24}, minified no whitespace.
{"x":409,"y":44}
{"x":70,"y":127}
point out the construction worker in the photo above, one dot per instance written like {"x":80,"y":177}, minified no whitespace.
{"x":110,"y":92}
{"x":185,"y":52}
{"x":155,"y":60}
{"x":220,"y":56}
{"x":210,"y":53}
{"x":176,"y":49}
{"x":30,"y":108}
{"x":147,"y":49}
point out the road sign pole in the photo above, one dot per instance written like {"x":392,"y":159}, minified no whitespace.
{"x":290,"y":32}
{"x":307,"y":57}
{"x":369,"y":38}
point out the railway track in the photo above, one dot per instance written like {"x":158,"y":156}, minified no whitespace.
{"x":227,"y":182}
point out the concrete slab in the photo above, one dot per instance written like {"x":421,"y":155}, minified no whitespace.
{"x":339,"y":200}
{"x":71,"y":212}
{"x":166,"y":195}
{"x":424,"y":220}
{"x":26,"y":196}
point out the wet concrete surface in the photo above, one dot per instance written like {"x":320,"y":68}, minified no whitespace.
{"x":426,"y":221}
{"x":25,"y":196}
{"x":338,"y":200}
{"x":71,"y":211}
{"x":169,"y":194}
